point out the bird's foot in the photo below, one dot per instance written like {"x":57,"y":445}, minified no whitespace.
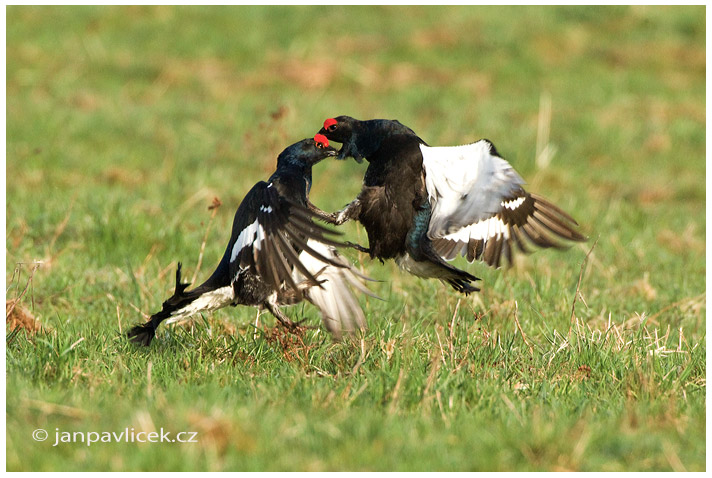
{"x":294,"y":327}
{"x":340,"y":217}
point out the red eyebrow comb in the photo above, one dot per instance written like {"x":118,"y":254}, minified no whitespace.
{"x":329,"y":122}
{"x":321,"y":139}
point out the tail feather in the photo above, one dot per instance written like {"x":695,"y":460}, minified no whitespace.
{"x":432,"y":267}
{"x":174,"y":307}
{"x":460,"y":280}
{"x":462,"y":285}
{"x":143,"y":334}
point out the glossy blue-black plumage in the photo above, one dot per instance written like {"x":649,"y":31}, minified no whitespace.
{"x":274,"y":217}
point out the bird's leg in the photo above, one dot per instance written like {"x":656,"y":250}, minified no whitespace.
{"x":321,"y":214}
{"x":283,"y":319}
{"x":289,"y":296}
{"x":257,"y":323}
{"x":351,"y":211}
{"x":358,"y":247}
{"x":273,"y":307}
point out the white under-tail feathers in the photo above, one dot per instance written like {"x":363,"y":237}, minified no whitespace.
{"x":209,"y":301}
{"x":340,"y":309}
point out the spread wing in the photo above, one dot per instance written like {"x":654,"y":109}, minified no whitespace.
{"x":340,"y":310}
{"x":269,"y":233}
{"x":481,"y":211}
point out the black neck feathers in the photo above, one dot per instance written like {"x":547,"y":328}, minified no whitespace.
{"x":368,"y":136}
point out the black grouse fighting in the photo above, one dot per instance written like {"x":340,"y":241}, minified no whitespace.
{"x":276,"y":256}
{"x":423,"y":205}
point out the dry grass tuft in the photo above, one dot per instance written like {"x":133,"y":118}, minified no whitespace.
{"x":583,"y":372}
{"x":642,"y":287}
{"x":292,"y":343}
{"x":17,"y":317}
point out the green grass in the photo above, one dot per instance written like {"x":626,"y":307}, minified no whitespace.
{"x":124,"y":122}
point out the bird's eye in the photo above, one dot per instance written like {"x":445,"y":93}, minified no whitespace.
{"x":321,"y":141}
{"x":330,"y":124}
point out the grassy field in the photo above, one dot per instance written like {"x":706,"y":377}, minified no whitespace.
{"x":124,"y":123}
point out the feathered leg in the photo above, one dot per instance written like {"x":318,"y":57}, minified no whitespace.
{"x":350,"y":212}
{"x":271,"y":305}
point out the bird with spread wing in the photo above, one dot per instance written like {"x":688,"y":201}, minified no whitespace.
{"x":424,"y":206}
{"x":276,"y":256}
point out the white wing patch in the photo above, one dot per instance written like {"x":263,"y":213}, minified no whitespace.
{"x":466,"y":184}
{"x":252,"y":234}
{"x":514,"y":203}
{"x":483,"y":230}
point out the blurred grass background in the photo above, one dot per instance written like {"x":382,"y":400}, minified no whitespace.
{"x":124,"y":122}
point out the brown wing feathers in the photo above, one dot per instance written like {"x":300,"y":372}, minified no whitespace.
{"x":287,"y":228}
{"x":534,"y":220}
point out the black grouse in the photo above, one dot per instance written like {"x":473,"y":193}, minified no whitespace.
{"x":276,"y":256}
{"x":423,"y":205}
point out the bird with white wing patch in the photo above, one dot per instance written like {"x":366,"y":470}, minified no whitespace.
{"x":423,"y":205}
{"x":276,"y":256}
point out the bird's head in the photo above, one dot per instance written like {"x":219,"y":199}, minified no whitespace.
{"x":307,"y":152}
{"x":343,"y":129}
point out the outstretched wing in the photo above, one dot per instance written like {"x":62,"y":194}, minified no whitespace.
{"x":481,"y":211}
{"x":269,"y":233}
{"x":340,"y":310}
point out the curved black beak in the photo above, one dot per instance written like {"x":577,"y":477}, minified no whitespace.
{"x":341,"y":153}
